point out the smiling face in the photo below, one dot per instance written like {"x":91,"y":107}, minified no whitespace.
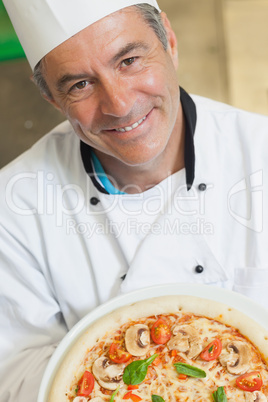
{"x":118,"y":87}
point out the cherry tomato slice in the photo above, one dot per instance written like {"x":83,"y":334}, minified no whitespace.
{"x":86,"y":384}
{"x":160,"y":332}
{"x":212,"y":351}
{"x":117,"y":354}
{"x":250,"y":381}
{"x":133,"y":397}
{"x":182,"y":377}
{"x":132,"y":387}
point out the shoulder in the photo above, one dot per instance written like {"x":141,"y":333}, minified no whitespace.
{"x":54,"y":161}
{"x":218,"y":110}
{"x":217,"y":121}
{"x":52,"y":149}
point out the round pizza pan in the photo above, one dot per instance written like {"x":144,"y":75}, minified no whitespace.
{"x":241,"y":303}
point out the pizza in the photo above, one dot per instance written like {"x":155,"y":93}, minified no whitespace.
{"x":171,"y":348}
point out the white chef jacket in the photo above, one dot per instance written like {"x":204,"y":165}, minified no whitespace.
{"x":66,"y":246}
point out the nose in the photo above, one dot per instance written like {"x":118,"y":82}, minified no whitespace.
{"x":117,"y":99}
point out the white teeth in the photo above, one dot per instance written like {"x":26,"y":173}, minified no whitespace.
{"x":129,"y":128}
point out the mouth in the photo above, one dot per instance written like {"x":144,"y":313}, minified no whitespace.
{"x":130,"y":127}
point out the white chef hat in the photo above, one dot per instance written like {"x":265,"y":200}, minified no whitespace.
{"x":42,"y":25}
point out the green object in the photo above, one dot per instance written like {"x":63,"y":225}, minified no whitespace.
{"x":114,"y":394}
{"x":191,"y":371}
{"x":219,"y":395}
{"x":157,"y":398}
{"x":10,"y":47}
{"x":136,"y":371}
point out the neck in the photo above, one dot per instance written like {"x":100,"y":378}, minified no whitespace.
{"x":137,"y":179}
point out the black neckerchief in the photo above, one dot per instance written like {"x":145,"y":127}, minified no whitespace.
{"x":189,"y":111}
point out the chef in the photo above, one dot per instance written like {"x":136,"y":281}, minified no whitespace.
{"x":142,"y":185}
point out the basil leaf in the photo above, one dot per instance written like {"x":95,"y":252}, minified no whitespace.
{"x":191,"y":371}
{"x":220,"y":395}
{"x":135,"y":372}
{"x":114,"y":394}
{"x":157,"y":398}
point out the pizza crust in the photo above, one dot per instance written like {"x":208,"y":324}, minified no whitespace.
{"x":155,"y":306}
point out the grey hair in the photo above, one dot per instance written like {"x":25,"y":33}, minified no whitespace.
{"x":39,"y":80}
{"x":150,"y":14}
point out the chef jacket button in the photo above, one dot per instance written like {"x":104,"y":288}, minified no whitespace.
{"x":202,"y":187}
{"x":94,"y":200}
{"x":199,"y":269}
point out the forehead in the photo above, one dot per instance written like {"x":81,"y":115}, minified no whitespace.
{"x":104,"y":37}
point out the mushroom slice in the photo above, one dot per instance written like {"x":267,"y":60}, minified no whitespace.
{"x":255,"y":396}
{"x":108,"y":375}
{"x":137,"y":339}
{"x":186,"y":340}
{"x":236,"y":357}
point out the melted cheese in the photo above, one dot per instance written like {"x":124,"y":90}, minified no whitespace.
{"x":163,"y":379}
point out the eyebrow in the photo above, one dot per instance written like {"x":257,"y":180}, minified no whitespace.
{"x":129,"y":47}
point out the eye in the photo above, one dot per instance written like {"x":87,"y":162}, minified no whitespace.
{"x":80,"y":85}
{"x":128,"y":62}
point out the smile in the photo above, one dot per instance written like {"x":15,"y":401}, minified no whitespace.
{"x":129,"y":128}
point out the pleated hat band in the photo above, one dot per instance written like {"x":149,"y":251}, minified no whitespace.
{"x":42,"y":25}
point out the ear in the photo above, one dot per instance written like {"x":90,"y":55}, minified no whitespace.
{"x":172,"y":40}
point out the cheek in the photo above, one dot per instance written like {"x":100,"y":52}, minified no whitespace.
{"x":161,"y":81}
{"x":80,"y":114}
{"x":164,"y":86}
{"x":153,"y":82}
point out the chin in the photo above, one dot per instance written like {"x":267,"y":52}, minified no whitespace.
{"x":140,"y":158}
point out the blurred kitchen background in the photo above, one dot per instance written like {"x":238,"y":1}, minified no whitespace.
{"x":223,"y":49}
